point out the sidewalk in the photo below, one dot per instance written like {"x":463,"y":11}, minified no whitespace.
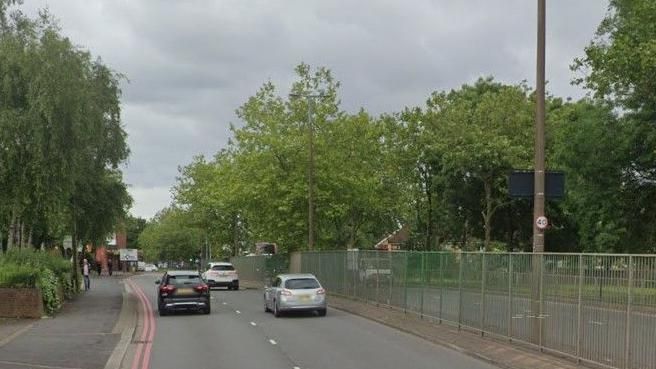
{"x":79,"y":336}
{"x":495,"y":351}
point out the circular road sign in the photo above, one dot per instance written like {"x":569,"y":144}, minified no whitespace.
{"x":542,"y":222}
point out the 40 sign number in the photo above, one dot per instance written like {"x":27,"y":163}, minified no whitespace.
{"x":542,"y":222}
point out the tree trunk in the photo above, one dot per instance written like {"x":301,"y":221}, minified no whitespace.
{"x":235,"y":234}
{"x":465,"y":231}
{"x":429,"y":220}
{"x":487,"y":215}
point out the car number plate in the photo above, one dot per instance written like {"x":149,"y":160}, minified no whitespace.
{"x":305,"y":297}
{"x":185,"y":291}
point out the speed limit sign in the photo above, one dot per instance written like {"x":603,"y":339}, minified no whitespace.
{"x":542,"y":222}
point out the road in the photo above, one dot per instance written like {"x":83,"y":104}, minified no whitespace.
{"x":239,"y":334}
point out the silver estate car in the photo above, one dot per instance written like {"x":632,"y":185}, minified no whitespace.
{"x":295,"y":292}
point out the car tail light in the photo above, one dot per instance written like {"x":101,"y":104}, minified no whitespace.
{"x":321,"y":291}
{"x":202,"y":288}
{"x":286,"y":292}
{"x":166,"y":289}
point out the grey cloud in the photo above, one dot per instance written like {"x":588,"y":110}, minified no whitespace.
{"x":192,"y":63}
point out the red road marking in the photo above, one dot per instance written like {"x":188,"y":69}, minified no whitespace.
{"x":147,"y":332}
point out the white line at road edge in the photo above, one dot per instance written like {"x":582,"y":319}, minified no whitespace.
{"x":273,"y":342}
{"x":253,"y":324}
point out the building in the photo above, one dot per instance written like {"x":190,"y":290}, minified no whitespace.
{"x":394,"y":241}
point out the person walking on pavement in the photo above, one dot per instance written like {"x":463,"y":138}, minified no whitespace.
{"x":85,"y":273}
{"x":109,"y":266}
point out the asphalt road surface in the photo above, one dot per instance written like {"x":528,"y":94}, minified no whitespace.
{"x":239,"y":334}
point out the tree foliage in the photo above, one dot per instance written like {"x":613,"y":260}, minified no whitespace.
{"x":61,"y":137}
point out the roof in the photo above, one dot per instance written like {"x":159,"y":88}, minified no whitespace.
{"x":296,"y":275}
{"x":182,"y":272}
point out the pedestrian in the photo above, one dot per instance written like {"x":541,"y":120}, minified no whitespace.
{"x":98,"y":267}
{"x":109,"y":266}
{"x":85,"y":273}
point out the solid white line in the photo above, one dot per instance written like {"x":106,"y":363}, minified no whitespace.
{"x":253,"y":324}
{"x":273,"y":342}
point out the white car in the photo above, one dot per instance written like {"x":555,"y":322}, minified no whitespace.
{"x":150,"y":268}
{"x":221,"y":274}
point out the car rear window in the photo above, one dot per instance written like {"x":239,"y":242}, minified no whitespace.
{"x":223,"y":267}
{"x":181,"y":280}
{"x":302,"y":284}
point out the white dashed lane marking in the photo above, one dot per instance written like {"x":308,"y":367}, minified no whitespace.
{"x":273,"y":342}
{"x":237,"y":311}
{"x":253,"y":324}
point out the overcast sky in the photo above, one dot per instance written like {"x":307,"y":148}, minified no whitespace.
{"x":190,"y":64}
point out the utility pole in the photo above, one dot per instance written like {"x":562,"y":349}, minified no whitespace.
{"x":539,"y":220}
{"x":538,"y":204}
{"x":310,"y":101}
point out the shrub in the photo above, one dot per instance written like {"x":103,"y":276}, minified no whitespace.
{"x":47,"y":282}
{"x":37,"y":259}
{"x":17,"y":276}
{"x":27,"y":268}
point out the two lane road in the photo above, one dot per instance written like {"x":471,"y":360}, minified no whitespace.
{"x":239,"y":334}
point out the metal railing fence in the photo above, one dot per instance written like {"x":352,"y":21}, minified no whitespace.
{"x":597,"y":308}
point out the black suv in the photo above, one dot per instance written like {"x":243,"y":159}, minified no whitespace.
{"x":182,"y":290}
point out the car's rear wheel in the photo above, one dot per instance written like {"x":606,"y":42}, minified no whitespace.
{"x":276,"y":310}
{"x":162,"y":312}
{"x":207,"y":310}
{"x":322,"y":312}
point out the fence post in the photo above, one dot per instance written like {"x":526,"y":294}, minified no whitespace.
{"x":627,"y":339}
{"x":460,"y":273}
{"x":540,"y":315}
{"x":579,"y":327}
{"x":482,"y":311}
{"x":405,"y":283}
{"x":510,"y":280}
{"x":421,"y":279}
{"x":390,"y":279}
{"x":345,"y":286}
{"x":441,"y":283}
{"x":377,"y":277}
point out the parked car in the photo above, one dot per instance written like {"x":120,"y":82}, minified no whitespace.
{"x":141,"y":266}
{"x":150,"y":268}
{"x":182,"y":290}
{"x":295,"y":292}
{"x":221,"y":274}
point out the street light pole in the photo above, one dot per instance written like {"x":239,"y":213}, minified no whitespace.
{"x":310,"y":100}
{"x":538,"y":205}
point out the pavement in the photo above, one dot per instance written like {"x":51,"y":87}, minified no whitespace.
{"x":80,"y":336}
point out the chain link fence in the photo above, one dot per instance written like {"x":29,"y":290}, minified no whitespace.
{"x":596,"y":308}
